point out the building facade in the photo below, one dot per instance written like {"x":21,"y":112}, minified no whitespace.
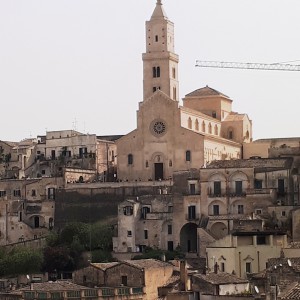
{"x":170,"y":137}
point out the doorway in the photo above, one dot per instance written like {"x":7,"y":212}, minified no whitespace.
{"x":159,"y":171}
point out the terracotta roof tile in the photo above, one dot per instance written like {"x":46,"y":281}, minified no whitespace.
{"x":221,"y":278}
{"x":205,"y":91}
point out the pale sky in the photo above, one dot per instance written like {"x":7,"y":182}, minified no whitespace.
{"x":67,"y":64}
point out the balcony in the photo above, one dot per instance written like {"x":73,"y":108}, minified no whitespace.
{"x":192,"y":217}
{"x":264,"y":191}
{"x":159,"y":216}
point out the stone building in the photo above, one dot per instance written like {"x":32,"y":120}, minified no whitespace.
{"x":170,"y":137}
{"x":208,"y":204}
{"x":245,"y":252}
{"x":140,"y":276}
{"x":27,"y":208}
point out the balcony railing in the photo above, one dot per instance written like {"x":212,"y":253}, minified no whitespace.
{"x":192,"y":217}
{"x":158,"y":216}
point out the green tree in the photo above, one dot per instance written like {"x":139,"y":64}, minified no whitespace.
{"x":21,"y":261}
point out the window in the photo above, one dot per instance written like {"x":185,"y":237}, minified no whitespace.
{"x":281,"y":189}
{"x":190,"y":123}
{"x":90,"y":293}
{"x":192,"y":212}
{"x":108,"y":292}
{"x":145,"y":211}
{"x":82,"y":152}
{"x":156,"y":38}
{"x":174,"y":73}
{"x":56,"y":295}
{"x":188,"y":155}
{"x":283,"y":213}
{"x":258,"y":211}
{"x":146,"y":234}
{"x":156,"y":72}
{"x":129,"y":233}
{"x":214,"y":114}
{"x":192,"y":188}
{"x":113,"y":155}
{"x":230,"y":134}
{"x":239,"y":188}
{"x":33,"y":193}
{"x":170,"y":163}
{"x":130,"y":159}
{"x":209,"y":128}
{"x":197,"y":125}
{"x":216,"y":210}
{"x":73,"y":294}
{"x":147,"y":164}
{"x":222,"y":267}
{"x":217,"y":188}
{"x":170,"y":229}
{"x":240,"y":209}
{"x":216,"y":130}
{"x":52,"y":154}
{"x":123,"y":291}
{"x":174,"y":93}
{"x":261,"y":240}
{"x":17,"y":193}
{"x":248,"y":267}
{"x":43,"y":172}
{"x":2,"y":193}
{"x":42,"y":295}
{"x":51,"y":193}
{"x":257,"y":184}
{"x":170,"y":208}
{"x":170,"y":246}
{"x":203,"y":126}
{"x":128,"y":210}
{"x":124,"y":280}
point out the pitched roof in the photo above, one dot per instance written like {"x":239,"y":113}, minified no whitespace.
{"x":147,"y":263}
{"x":293,"y":292}
{"x":206,"y":91}
{"x":159,"y":12}
{"x":221,"y":278}
{"x":257,"y":163}
{"x":104,"y":266}
{"x":234,"y":117}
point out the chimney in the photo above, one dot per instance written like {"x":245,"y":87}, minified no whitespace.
{"x":183,"y":275}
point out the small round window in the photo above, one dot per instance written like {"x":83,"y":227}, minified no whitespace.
{"x":158,"y":127}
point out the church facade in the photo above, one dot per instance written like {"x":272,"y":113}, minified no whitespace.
{"x":169,"y":136}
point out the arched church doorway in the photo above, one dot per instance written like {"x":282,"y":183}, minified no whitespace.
{"x":188,"y":238}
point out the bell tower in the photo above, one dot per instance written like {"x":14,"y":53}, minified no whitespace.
{"x":160,"y":63}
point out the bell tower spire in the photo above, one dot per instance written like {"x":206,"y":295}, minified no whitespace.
{"x":160,"y":61}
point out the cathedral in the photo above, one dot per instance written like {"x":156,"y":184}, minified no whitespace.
{"x":171,"y":136}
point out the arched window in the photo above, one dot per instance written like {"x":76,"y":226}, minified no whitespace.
{"x":197,"y":125}
{"x":130,"y":159}
{"x":209,"y":128}
{"x":188,"y":155}
{"x":147,"y":164}
{"x":216,"y":130}
{"x":203,"y":126}
{"x":190,"y":123}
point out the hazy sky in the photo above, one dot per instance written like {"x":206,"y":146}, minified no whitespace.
{"x":67,"y":64}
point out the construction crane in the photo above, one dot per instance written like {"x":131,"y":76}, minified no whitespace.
{"x":254,"y":66}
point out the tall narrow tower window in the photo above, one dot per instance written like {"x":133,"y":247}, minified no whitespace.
{"x":190,"y":123}
{"x":174,"y":73}
{"x":156,"y":72}
{"x":174,"y":93}
{"x":156,"y":38}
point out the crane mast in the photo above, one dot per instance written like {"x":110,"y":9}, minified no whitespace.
{"x":253,"y":66}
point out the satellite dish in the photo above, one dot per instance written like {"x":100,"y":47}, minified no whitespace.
{"x":256,"y":289}
{"x":289,"y":262}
